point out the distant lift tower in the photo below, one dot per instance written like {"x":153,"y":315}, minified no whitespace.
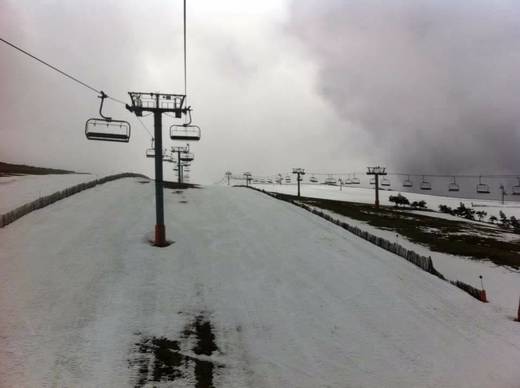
{"x":228,"y":176}
{"x":183,"y":154}
{"x":376,"y":171}
{"x":247,"y":175}
{"x":299,"y":172}
{"x":158,"y":103}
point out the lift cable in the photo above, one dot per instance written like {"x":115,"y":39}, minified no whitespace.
{"x":67,"y":75}
{"x":185,"y":60}
{"x":144,"y":126}
{"x":421,"y":175}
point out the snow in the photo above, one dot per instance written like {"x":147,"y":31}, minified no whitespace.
{"x":295,"y":301}
{"x":366,"y":195}
{"x":502,"y":284}
{"x":18,"y":190}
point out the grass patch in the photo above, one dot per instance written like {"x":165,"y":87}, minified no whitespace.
{"x":461,"y":238}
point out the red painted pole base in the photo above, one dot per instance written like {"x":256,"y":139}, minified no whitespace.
{"x":160,"y":236}
{"x":483,"y":296}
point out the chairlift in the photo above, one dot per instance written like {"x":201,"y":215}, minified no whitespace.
{"x":453,"y":186}
{"x":105,"y":128}
{"x":313,"y":179}
{"x":150,"y":152}
{"x":167,"y":158}
{"x":372,"y":181}
{"x":482,"y":188}
{"x":330,"y":181}
{"x":516,"y":188}
{"x":287,"y":179}
{"x":407,"y":182}
{"x":347,"y":180}
{"x":186,"y":131}
{"x":187,"y":156}
{"x":355,"y":180}
{"x":425,"y":185}
{"x":385,"y":182}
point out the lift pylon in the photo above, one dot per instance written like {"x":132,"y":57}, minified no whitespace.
{"x":158,"y":103}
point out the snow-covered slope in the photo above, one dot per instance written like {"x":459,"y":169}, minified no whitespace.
{"x":19,"y":190}
{"x":293,"y":300}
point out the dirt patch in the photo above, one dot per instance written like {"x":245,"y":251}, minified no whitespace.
{"x":162,"y":360}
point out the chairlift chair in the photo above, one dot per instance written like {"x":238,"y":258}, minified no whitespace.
{"x":330,"y":181}
{"x":186,"y":131}
{"x":287,"y":179}
{"x":105,"y":128}
{"x":482,"y":188}
{"x":453,"y":186}
{"x":355,"y":180}
{"x":407,"y":182}
{"x":515,"y":190}
{"x":385,"y":182}
{"x":347,"y":180}
{"x":187,"y":156}
{"x":313,"y":179}
{"x":372,"y":181}
{"x":425,"y":185}
{"x":150,"y":152}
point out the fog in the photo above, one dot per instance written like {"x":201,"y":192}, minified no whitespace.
{"x":326,"y":85}
{"x":434,"y":82}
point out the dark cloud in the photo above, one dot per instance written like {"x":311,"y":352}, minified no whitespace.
{"x":435,"y":82}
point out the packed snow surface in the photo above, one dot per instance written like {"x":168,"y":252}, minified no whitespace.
{"x":293,"y":300}
{"x":18,"y":190}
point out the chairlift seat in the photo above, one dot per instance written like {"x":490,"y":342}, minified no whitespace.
{"x":185,"y":132}
{"x":150,"y":152}
{"x":516,"y":190}
{"x":482,"y":188}
{"x":407,"y":183}
{"x":355,"y":181}
{"x":385,"y":182}
{"x":107,"y":130}
{"x":453,"y":187}
{"x":426,"y":186}
{"x":186,"y":156}
{"x":330,"y":181}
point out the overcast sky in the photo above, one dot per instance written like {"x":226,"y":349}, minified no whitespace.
{"x":328,"y":85}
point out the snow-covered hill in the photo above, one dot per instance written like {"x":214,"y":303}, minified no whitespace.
{"x":291,"y":300}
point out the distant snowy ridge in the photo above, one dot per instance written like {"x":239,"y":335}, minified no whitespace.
{"x":13,"y":215}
